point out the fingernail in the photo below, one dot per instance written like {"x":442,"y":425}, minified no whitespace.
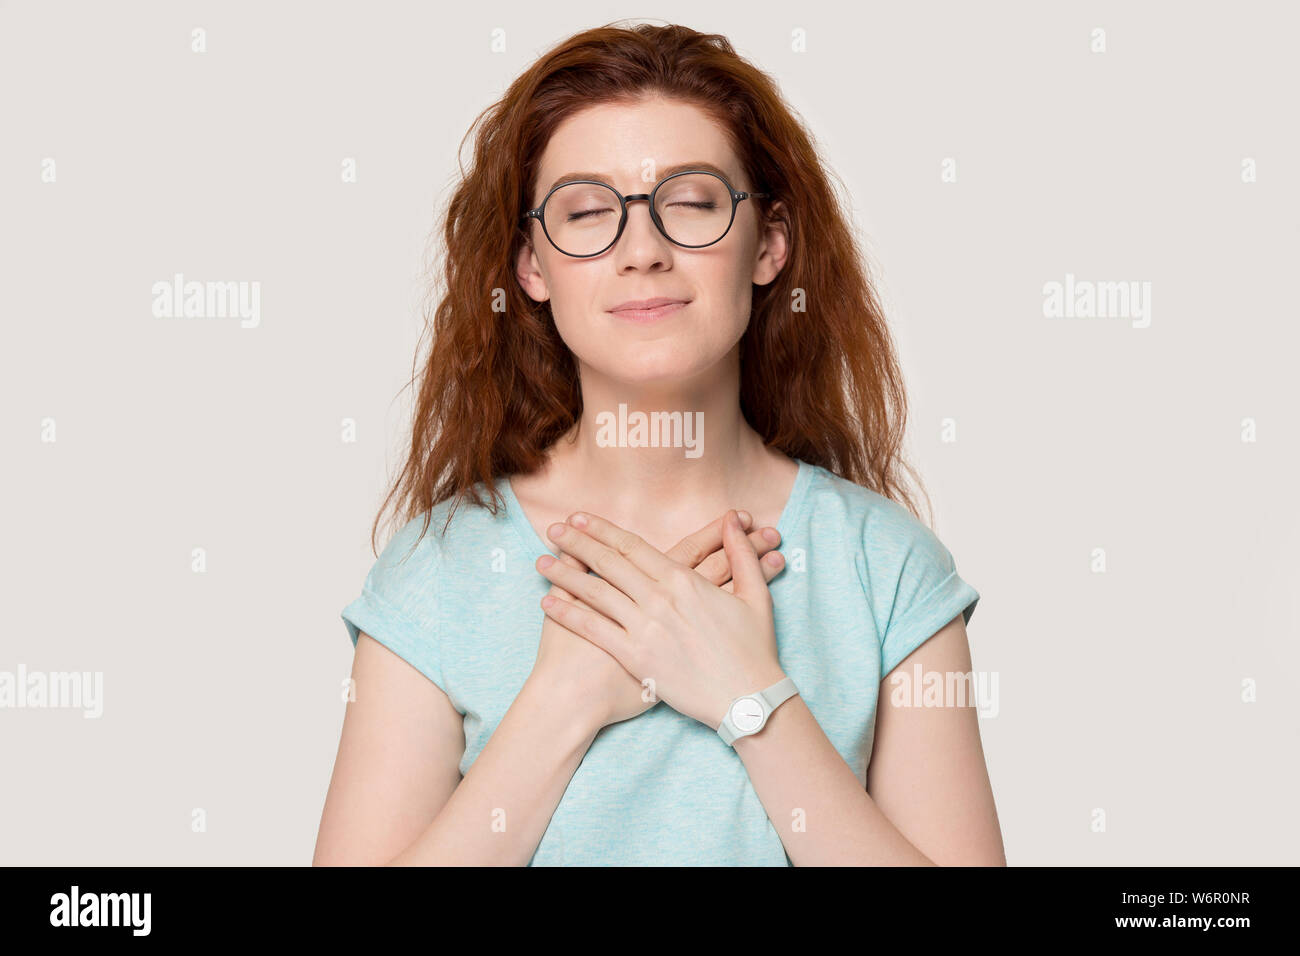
{"x":774,"y":558}
{"x":579,"y":520}
{"x":772,"y":535}
{"x":555,"y":530}
{"x":744,"y":516}
{"x":545,"y":561}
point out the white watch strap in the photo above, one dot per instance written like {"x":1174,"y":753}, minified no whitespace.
{"x":770,"y":697}
{"x":779,"y":693}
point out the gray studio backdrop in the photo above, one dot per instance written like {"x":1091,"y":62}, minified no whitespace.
{"x":1085,"y":220}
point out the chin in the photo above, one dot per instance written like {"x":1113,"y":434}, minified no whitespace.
{"x":650,"y":366}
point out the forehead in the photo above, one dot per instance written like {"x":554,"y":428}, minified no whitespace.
{"x":627,"y":142}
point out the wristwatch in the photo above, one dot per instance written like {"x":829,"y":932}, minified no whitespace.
{"x":748,"y":714}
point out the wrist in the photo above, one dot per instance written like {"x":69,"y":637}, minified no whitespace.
{"x":751,"y":684}
{"x":573,"y":709}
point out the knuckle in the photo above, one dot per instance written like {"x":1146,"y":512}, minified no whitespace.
{"x":626,"y":543}
{"x":692,"y":552}
{"x":711,"y":569}
{"x":601,"y":564}
{"x":679,"y":580}
{"x":590,"y":589}
{"x":656,"y":603}
{"x":654,"y":630}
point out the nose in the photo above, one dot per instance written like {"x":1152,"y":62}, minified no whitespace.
{"x":641,"y":237}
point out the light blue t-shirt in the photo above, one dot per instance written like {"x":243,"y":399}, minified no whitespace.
{"x":865,"y":584}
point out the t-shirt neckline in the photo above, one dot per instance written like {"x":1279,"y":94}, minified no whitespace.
{"x":528,"y":534}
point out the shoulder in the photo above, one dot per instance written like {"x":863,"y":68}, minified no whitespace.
{"x":438,"y":538}
{"x":906,"y":571}
{"x":881,"y":526}
{"x":403,"y":575}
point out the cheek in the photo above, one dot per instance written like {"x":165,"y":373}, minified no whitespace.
{"x":739,"y":304}
{"x":572,"y":309}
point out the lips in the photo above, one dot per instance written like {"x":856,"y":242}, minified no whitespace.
{"x":642,"y":316}
{"x":646,"y":305}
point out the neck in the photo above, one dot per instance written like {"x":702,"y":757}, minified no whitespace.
{"x":682,"y":449}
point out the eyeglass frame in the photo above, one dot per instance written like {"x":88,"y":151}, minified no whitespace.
{"x":737,"y":197}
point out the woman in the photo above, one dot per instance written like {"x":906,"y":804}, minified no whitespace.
{"x":647,"y":231}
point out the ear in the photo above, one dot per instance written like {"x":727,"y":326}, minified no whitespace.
{"x":773,"y":245}
{"x":528,"y":270}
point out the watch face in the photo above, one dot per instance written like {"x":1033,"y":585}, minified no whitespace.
{"x":747,"y":714}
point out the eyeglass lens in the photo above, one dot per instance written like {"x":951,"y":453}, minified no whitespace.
{"x":582,"y":218}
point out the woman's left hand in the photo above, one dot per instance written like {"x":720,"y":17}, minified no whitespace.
{"x":696,"y":646}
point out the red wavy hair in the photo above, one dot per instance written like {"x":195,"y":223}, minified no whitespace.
{"x":499,"y":386}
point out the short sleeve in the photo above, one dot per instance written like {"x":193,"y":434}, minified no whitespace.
{"x":927,"y":591}
{"x":399,"y":603}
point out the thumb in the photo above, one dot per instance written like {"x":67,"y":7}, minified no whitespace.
{"x":746,"y":575}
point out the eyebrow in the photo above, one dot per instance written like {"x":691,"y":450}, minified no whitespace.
{"x":678,"y":168}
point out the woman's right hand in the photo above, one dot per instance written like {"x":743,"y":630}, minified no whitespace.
{"x":594,"y":679}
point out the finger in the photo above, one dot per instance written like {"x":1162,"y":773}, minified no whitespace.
{"x":745,"y":571}
{"x":590,"y":589}
{"x":772,"y":564}
{"x":715,"y":568}
{"x":592,"y":626}
{"x":625,"y":560}
{"x":698,"y":545}
{"x":572,"y":562}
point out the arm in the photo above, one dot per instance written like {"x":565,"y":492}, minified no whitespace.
{"x":397,"y":797}
{"x":397,"y":761}
{"x":928,"y":800}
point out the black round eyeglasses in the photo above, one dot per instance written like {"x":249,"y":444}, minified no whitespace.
{"x":692,"y":209}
